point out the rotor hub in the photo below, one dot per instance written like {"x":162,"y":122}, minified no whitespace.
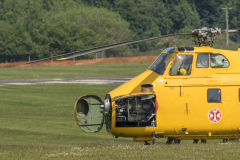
{"x":205,"y":36}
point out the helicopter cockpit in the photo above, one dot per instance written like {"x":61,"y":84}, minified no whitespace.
{"x":181,"y":65}
{"x":184,"y":60}
{"x":160,"y":65}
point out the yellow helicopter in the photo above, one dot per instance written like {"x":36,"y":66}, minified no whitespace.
{"x":187,"y":93}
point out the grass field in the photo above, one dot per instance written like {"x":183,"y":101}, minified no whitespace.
{"x":96,"y":70}
{"x":37,"y":122}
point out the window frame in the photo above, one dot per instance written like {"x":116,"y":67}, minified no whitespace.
{"x":214,"y":89}
{"x":173,"y":62}
{"x":208,"y":60}
{"x":155,"y":62}
{"x":221,"y":55}
{"x":239,"y":94}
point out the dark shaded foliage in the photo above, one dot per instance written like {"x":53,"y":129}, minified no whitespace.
{"x":40,"y":28}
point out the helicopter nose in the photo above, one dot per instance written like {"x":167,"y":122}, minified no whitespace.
{"x":106,"y":106}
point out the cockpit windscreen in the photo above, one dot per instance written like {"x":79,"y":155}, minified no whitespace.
{"x":160,"y":65}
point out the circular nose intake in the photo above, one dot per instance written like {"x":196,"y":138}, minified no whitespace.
{"x":82,"y":108}
{"x":87,"y":113}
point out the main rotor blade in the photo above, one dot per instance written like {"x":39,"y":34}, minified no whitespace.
{"x":231,"y":30}
{"x":101,"y":48}
{"x":122,"y":44}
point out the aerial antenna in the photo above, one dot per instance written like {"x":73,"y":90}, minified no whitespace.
{"x":219,"y":20}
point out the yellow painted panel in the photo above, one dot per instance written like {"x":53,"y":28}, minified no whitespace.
{"x":183,"y":107}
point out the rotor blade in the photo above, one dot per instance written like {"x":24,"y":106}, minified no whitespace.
{"x":231,"y":30}
{"x":101,"y":48}
{"x":122,"y":44}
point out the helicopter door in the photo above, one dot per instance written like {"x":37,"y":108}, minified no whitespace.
{"x":88,"y":113}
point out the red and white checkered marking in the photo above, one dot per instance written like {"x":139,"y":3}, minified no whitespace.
{"x":214,"y":115}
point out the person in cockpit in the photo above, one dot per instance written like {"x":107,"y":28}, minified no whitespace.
{"x":202,"y":61}
{"x":186,"y":66}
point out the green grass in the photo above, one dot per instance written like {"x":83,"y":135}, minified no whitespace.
{"x":111,"y":69}
{"x":37,"y":122}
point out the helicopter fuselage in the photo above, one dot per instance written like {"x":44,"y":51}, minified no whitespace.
{"x":201,"y":105}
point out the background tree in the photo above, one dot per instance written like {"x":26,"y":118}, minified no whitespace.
{"x":83,"y":28}
{"x":39,"y":28}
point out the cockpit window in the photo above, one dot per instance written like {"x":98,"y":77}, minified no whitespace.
{"x":218,"y":61}
{"x":182,"y":65}
{"x":202,"y":61}
{"x":160,"y":65}
{"x":169,"y":50}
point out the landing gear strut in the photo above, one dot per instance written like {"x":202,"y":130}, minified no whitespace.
{"x":169,"y":140}
{"x":195,"y":141}
{"x":177,"y":141}
{"x":153,"y":140}
{"x":202,"y":141}
{"x":146,"y":143}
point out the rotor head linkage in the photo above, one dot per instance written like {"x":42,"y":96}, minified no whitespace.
{"x":204,"y":34}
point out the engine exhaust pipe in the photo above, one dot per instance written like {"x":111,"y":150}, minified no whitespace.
{"x":146,"y":88}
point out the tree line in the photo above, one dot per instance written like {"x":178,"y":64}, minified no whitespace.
{"x":33,"y":29}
